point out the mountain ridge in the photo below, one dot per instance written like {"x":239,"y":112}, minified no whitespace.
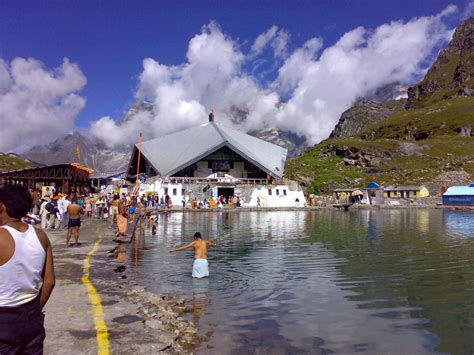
{"x":429,"y":141}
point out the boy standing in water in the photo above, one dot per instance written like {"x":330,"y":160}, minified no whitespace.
{"x":200,"y":266}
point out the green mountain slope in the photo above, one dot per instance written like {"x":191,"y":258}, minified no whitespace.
{"x":416,"y":146}
{"x":11,"y":162}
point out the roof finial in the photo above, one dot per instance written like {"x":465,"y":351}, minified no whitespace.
{"x":211,"y":115}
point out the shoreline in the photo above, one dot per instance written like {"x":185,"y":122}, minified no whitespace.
{"x":307,"y":209}
{"x":137,"y":321}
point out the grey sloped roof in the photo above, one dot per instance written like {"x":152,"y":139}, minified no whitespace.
{"x":170,"y":154}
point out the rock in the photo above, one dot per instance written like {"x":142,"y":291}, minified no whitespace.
{"x":452,"y":71}
{"x":154,"y":324}
{"x":363,"y":115}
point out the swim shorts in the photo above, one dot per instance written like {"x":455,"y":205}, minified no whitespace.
{"x":73,"y":223}
{"x":200,"y":268}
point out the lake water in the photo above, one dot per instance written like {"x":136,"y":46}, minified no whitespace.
{"x":374,"y":281}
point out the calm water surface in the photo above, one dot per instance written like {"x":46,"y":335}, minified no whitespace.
{"x":382,"y":282}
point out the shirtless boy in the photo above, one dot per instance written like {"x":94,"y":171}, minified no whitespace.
{"x":74,"y":212}
{"x":200,"y":266}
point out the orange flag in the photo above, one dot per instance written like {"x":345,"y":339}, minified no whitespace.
{"x":78,"y":152}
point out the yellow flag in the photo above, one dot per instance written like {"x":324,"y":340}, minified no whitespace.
{"x":78,"y":152}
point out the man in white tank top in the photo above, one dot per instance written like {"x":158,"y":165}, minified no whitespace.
{"x":26,"y":275}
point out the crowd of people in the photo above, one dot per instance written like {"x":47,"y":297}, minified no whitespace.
{"x":55,"y":210}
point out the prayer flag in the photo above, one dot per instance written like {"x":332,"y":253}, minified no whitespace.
{"x":78,"y":152}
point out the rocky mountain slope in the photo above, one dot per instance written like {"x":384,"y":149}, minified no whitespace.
{"x":363,"y":115}
{"x":431,"y":142}
{"x":94,"y":154}
{"x":451,"y":74}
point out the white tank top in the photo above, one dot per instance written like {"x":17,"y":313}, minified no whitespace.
{"x":21,"y":276}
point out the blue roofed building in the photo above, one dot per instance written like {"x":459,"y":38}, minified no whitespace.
{"x":459,"y":195}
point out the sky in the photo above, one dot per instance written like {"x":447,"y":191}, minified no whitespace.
{"x":292,"y":65}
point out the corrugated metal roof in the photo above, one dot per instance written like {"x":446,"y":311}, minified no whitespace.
{"x":170,"y":154}
{"x":459,"y":190}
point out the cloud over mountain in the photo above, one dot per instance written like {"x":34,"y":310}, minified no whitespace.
{"x":37,"y":104}
{"x":310,"y":87}
{"x":316,"y":84}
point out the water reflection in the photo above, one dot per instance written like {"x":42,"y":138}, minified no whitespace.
{"x":380,"y":281}
{"x":459,"y":223}
{"x":200,"y":297}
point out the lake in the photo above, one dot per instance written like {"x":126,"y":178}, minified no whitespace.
{"x":374,"y":281}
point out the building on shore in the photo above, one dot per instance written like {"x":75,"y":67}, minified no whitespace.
{"x":63,"y":177}
{"x":406,"y":192}
{"x":213,"y":160}
{"x":459,"y":195}
{"x":373,"y":194}
{"x":349,"y":195}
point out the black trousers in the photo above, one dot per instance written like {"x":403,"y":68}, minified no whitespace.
{"x":22,"y":329}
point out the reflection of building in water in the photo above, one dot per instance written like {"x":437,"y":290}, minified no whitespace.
{"x":422,"y":219}
{"x":459,"y":223}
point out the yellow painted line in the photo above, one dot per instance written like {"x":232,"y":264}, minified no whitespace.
{"x":103,"y":344}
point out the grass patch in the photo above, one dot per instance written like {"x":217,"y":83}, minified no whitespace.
{"x":9,"y":162}
{"x":442,"y":118}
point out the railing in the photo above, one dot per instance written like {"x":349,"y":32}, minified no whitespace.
{"x":219,"y":180}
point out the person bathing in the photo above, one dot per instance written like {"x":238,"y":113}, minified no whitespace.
{"x":200,"y":266}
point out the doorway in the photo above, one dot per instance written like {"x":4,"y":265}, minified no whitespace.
{"x":226,"y":192}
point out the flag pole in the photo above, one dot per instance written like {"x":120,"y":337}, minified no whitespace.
{"x":139,"y":146}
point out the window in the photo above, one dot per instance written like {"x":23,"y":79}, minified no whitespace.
{"x":284,"y":192}
{"x":166,"y":191}
{"x":175,"y":192}
{"x":209,"y":164}
{"x":270,"y":191}
{"x":183,"y":191}
{"x":414,"y":193}
{"x":277,"y":192}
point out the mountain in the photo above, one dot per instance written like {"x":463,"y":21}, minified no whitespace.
{"x":363,"y":115}
{"x":294,"y":143}
{"x":431,"y":142}
{"x":391,"y":91}
{"x":94,"y":154}
{"x":451,"y":74}
{"x":11,"y":161}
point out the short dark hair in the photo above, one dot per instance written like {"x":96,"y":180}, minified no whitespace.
{"x":17,"y":200}
{"x":197,"y":235}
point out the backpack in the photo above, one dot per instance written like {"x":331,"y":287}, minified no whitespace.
{"x":51,"y":208}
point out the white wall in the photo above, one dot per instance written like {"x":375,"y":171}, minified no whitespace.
{"x":274,"y":200}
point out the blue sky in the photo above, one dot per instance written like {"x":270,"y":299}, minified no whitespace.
{"x":108,"y":40}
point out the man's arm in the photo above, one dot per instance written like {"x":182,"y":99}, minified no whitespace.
{"x":184,"y":247}
{"x":211,"y":243}
{"x":49,"y":279}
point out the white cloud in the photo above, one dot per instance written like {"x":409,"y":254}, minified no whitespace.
{"x":36,"y":104}
{"x":318,"y":85}
{"x":263,"y":39}
{"x":276,"y":38}
{"x":361,"y":61}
